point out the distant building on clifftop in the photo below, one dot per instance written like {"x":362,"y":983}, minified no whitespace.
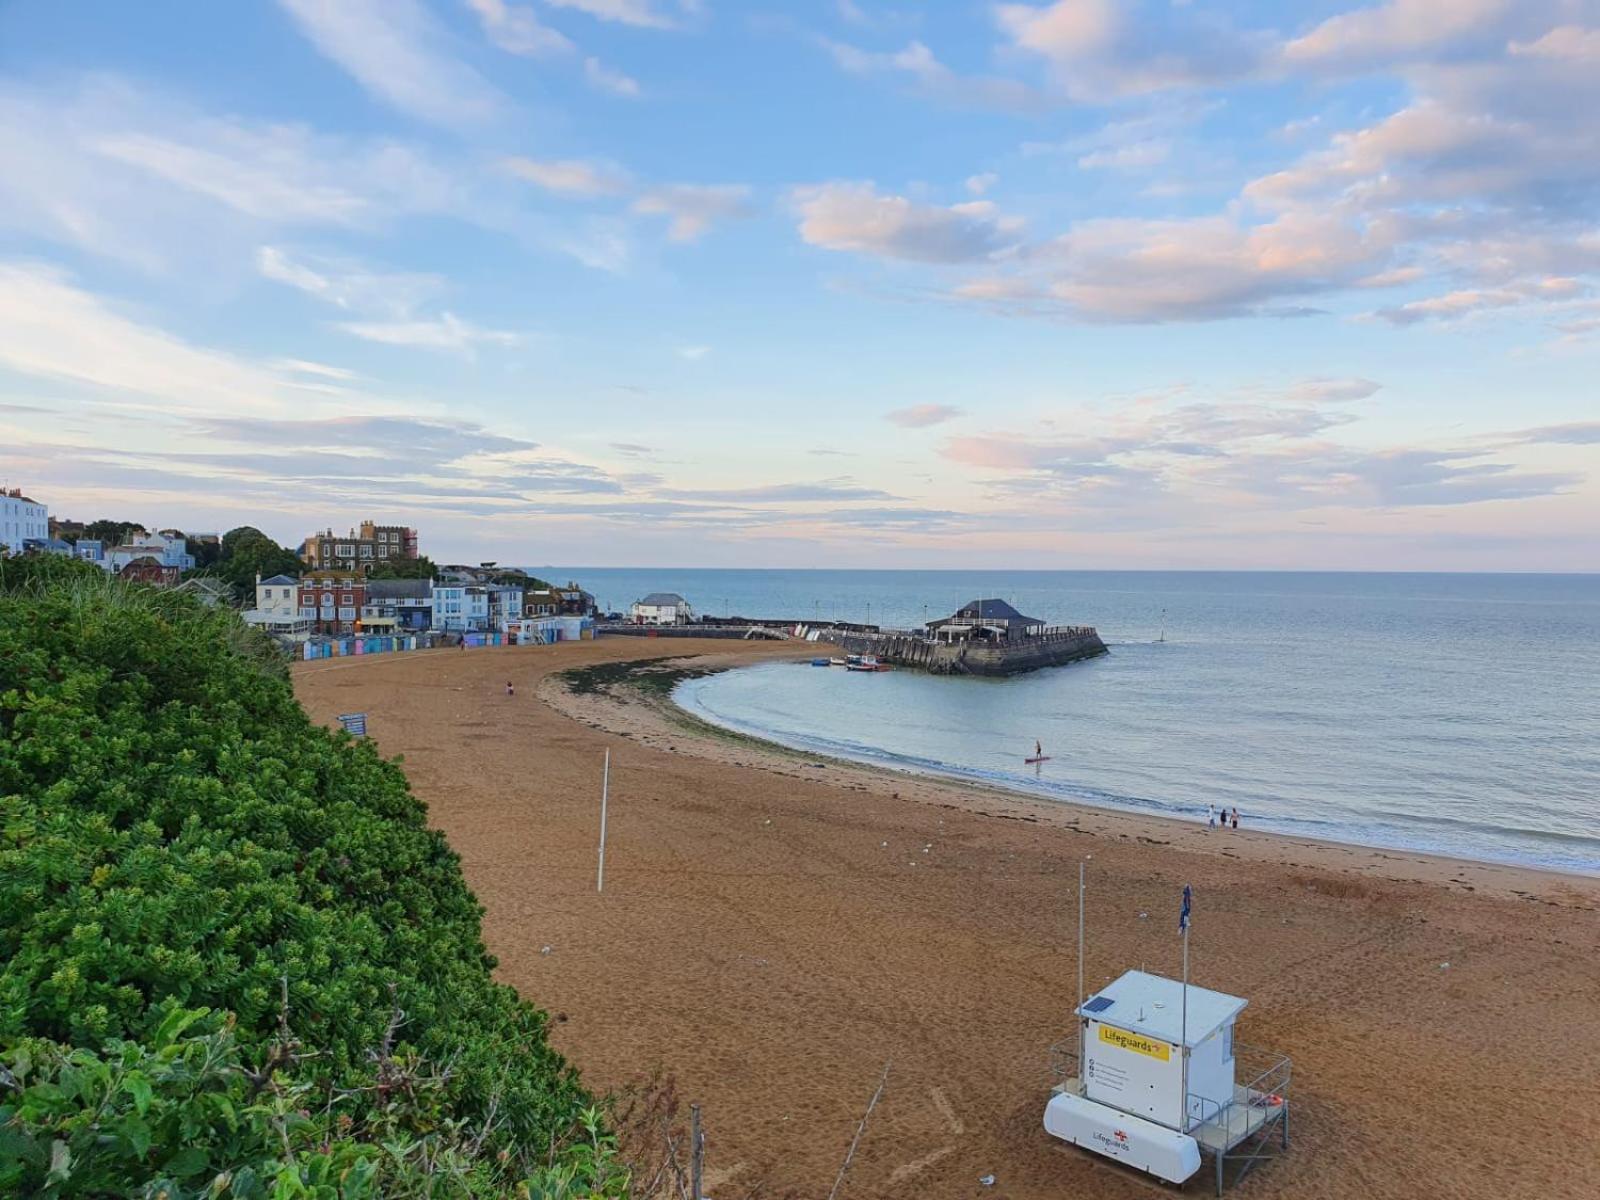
{"x":360,"y":549}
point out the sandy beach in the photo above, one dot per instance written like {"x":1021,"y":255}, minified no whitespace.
{"x":775,"y":929}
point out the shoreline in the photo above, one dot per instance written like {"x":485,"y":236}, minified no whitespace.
{"x":650,"y":716}
{"x":772,"y":934}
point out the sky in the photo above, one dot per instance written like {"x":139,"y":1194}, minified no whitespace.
{"x":1093,"y":283}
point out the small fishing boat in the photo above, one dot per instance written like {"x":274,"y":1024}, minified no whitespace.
{"x":837,"y":662}
{"x":865,"y":662}
{"x":819,"y":662}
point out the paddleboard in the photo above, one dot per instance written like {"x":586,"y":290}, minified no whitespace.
{"x":1040,"y":758}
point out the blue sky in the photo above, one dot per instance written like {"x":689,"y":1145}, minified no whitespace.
{"x":700,"y":282}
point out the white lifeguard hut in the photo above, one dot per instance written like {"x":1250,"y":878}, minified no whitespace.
{"x":1151,"y":1079}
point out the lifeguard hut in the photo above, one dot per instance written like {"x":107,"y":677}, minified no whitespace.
{"x":1152,"y":1078}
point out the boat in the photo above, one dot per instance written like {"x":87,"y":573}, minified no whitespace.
{"x":836,"y":662}
{"x":865,"y":662}
{"x":819,"y":662}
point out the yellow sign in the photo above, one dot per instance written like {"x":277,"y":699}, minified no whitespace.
{"x":1133,"y":1041}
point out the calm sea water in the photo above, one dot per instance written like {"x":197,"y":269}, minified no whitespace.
{"x":1449,"y":713}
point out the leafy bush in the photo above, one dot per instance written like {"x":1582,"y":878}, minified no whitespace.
{"x":175,"y":834}
{"x":188,"y":1117}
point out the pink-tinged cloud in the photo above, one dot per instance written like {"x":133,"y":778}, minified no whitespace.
{"x":1016,"y":453}
{"x":920,"y":416}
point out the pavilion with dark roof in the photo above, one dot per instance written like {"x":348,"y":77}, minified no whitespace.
{"x":988,"y":620}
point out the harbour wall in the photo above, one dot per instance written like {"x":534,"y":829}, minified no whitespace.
{"x":1054,"y":648}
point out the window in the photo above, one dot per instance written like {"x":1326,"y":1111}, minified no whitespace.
{"x":345,"y":598}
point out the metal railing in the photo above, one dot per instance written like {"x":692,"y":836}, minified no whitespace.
{"x":1254,"y":1103}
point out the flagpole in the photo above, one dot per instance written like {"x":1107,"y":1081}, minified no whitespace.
{"x":1078,"y":1012}
{"x":1184,"y":1020}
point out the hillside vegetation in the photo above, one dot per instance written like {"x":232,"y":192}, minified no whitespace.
{"x":234,"y":960}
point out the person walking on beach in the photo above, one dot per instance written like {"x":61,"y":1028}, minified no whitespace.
{"x":1211,"y":816}
{"x":510,"y":691}
{"x":1236,"y":818}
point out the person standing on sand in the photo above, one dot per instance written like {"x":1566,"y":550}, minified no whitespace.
{"x":1236,"y":818}
{"x":510,"y":691}
{"x":1211,"y":816}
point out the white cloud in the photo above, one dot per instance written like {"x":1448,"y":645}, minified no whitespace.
{"x":447,"y":332}
{"x":348,"y":284}
{"x":644,"y":14}
{"x":1567,"y":42}
{"x":856,"y":216}
{"x":1467,"y":302}
{"x":1132,"y":157}
{"x":979,"y":184}
{"x":605,"y":79}
{"x":270,"y":174}
{"x":921,"y":416}
{"x":517,"y":29}
{"x":693,"y":208}
{"x":693,"y":353}
{"x":52,"y":329}
{"x":571,"y":176}
{"x":1103,"y":49}
{"x":934,"y":78}
{"x":1396,"y":30}
{"x":393,"y":49}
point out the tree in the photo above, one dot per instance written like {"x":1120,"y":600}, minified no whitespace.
{"x":206,"y":554}
{"x":247,"y":552}
{"x":403,"y":568}
{"x":112,"y":533}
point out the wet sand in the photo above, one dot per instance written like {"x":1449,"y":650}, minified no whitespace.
{"x":775,"y":928}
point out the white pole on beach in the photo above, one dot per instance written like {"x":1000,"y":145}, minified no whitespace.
{"x":1081,"y":1022}
{"x":605,"y":792}
{"x":1184,"y":1027}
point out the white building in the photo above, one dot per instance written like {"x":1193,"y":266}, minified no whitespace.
{"x":278,"y":597}
{"x":277,"y":608}
{"x":169,"y":551}
{"x":21,"y":520}
{"x":662,"y":608}
{"x":460,"y":607}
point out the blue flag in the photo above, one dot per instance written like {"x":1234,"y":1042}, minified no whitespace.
{"x":1183,"y":916}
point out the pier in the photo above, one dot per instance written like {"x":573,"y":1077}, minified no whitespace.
{"x":985,"y":637}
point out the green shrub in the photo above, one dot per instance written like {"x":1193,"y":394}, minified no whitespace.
{"x":188,"y":1116}
{"x":175,"y":833}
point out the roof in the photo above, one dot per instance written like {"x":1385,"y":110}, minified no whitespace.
{"x":995,"y":611}
{"x":281,"y":579}
{"x":399,"y":589}
{"x":662,"y":599}
{"x":1154,"y":1005}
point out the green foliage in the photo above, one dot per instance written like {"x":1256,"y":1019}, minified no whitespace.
{"x":247,"y":552}
{"x":176,"y":833}
{"x":193,"y":1115}
{"x":30,"y":571}
{"x":112,"y":533}
{"x":403,"y":568}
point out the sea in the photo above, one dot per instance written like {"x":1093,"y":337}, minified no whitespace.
{"x":1450,"y":713}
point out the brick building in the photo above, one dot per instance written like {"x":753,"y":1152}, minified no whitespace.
{"x":360,"y":549}
{"x":332,"y":600}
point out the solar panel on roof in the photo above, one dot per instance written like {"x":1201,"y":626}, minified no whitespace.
{"x":1098,"y":1004}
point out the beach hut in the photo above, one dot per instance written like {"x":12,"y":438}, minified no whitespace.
{"x":1152,"y":1079}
